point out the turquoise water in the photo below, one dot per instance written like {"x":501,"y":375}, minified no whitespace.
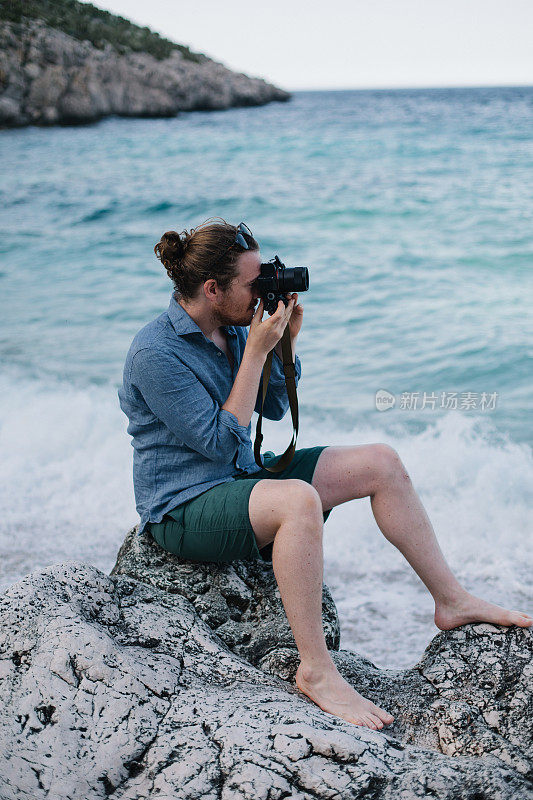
{"x":413,"y":212}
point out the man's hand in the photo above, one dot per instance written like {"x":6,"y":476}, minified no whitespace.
{"x":296,"y":317}
{"x":266,"y":334}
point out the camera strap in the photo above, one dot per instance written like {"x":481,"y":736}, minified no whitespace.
{"x":290,"y":373}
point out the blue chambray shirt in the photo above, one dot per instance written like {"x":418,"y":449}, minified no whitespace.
{"x":175,"y":382}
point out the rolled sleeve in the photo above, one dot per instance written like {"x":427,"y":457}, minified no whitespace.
{"x":175,"y":396}
{"x":242,"y":435}
{"x":229,"y":419}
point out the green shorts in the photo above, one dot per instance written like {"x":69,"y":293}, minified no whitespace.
{"x":215,"y":525}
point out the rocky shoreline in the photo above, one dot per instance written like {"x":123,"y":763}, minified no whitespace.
{"x":171,"y":678}
{"x":49,"y":78}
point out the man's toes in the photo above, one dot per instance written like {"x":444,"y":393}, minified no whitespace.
{"x":517,"y":618}
{"x":382,"y":715}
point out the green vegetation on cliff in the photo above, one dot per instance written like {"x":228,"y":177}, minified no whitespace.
{"x":84,"y":21}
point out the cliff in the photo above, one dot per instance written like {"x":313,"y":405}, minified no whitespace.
{"x":49,"y":76}
{"x":170,"y":678}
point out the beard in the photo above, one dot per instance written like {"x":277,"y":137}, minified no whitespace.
{"x":226,"y":314}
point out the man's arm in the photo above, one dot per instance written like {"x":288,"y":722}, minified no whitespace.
{"x":174,"y":395}
{"x":242,"y":398}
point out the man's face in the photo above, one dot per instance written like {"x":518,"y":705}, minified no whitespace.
{"x":237,"y":304}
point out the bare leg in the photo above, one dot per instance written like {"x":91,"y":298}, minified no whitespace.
{"x":375,"y":470}
{"x":290,"y":513}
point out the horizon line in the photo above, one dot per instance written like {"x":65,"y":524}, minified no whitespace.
{"x":410,"y":88}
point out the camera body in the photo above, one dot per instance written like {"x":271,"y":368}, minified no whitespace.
{"x":276,"y":280}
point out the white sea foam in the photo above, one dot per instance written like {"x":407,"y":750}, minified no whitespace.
{"x":66,"y":492}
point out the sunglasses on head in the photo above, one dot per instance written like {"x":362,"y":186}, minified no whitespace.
{"x":239,"y":239}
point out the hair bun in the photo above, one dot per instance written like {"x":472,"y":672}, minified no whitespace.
{"x":171,"y":248}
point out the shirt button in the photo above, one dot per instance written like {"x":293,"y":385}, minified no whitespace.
{"x":219,"y":353}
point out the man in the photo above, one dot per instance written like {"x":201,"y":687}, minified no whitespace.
{"x":192,"y":380}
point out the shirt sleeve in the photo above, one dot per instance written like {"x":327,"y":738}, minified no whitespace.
{"x":277,"y":399}
{"x":174,"y":394}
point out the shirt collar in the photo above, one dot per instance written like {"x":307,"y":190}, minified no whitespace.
{"x":184,"y":324}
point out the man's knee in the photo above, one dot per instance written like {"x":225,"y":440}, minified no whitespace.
{"x":301,"y":498}
{"x":272,"y":502}
{"x":387,"y":463}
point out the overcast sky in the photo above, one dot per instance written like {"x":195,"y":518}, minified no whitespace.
{"x":343,"y":44}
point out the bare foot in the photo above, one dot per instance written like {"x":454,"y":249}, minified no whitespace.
{"x":328,"y":689}
{"x":468,"y":608}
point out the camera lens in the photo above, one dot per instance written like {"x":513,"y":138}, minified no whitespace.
{"x":294,"y":279}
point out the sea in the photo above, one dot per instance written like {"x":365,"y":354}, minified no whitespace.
{"x":413,"y":212}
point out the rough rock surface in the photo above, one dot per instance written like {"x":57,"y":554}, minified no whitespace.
{"x":174,"y":679}
{"x":47,"y":77}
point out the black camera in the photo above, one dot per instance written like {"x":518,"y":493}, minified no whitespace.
{"x":276,"y":280}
